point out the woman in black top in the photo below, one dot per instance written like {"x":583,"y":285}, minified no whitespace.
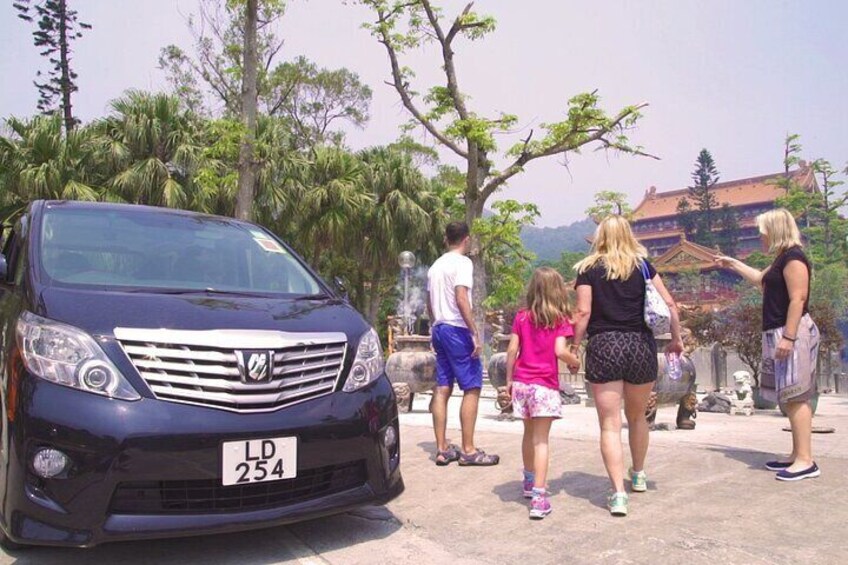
{"x":621,"y":356}
{"x":790,"y":337}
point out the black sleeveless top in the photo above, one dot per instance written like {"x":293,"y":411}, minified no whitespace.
{"x":775,"y":291}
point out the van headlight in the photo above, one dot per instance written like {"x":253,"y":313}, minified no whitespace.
{"x":68,"y":356}
{"x":368,"y":364}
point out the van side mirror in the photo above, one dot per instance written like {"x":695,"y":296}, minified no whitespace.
{"x":4,"y":269}
{"x":341,"y":288}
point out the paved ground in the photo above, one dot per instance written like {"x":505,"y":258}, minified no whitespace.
{"x":709,"y":501}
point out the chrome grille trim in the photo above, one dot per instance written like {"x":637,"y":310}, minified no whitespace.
{"x":201,"y":367}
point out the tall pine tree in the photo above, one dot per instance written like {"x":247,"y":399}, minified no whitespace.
{"x":57,"y":27}
{"x":699,"y":210}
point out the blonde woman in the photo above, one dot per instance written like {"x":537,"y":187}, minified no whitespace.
{"x":790,"y":337}
{"x":621,"y":356}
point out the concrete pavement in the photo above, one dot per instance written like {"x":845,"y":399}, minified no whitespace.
{"x":708,"y":501}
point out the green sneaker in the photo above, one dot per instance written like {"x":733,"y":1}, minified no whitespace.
{"x":638,"y":481}
{"x":618,"y":504}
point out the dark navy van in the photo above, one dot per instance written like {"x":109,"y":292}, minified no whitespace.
{"x":166,"y":373}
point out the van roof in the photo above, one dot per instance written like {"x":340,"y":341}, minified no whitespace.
{"x":86,"y":205}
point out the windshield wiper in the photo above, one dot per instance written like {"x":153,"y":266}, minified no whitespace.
{"x":315,"y":296}
{"x":208,"y":290}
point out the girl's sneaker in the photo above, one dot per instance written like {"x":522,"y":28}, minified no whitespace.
{"x":527,"y":484}
{"x":540,"y":506}
{"x":617,"y":504}
{"x":638,"y":481}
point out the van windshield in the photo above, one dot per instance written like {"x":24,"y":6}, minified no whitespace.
{"x":165,"y":250}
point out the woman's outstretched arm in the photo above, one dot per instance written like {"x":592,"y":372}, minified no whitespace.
{"x":750,"y":274}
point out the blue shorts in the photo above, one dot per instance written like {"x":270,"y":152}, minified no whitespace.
{"x":454,"y":363}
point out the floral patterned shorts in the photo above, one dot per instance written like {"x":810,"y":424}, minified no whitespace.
{"x":535,"y":401}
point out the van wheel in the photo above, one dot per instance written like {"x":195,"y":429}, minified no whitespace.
{"x":9,"y":545}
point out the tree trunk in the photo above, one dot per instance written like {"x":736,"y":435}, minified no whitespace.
{"x":375,"y":300}
{"x":478,"y":171}
{"x":66,"y":67}
{"x":247,"y":167}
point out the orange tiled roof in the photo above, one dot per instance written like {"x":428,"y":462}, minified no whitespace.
{"x":754,"y":190}
{"x":696,"y":250}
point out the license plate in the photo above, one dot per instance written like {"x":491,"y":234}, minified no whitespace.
{"x":259,"y":460}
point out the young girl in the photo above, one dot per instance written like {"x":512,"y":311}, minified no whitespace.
{"x":538,"y":340}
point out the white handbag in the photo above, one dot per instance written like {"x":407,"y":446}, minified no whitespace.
{"x":657,"y":314}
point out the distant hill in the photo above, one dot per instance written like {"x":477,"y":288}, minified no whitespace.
{"x":549,"y":243}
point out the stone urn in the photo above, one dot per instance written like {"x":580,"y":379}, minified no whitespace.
{"x":675,"y":391}
{"x":411,"y":368}
{"x":497,"y":371}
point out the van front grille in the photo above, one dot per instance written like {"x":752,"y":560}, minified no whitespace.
{"x":215,"y":369}
{"x":209,"y":496}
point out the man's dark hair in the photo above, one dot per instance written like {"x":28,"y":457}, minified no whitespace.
{"x":455,"y":232}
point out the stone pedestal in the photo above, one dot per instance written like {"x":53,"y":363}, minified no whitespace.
{"x":411,"y":368}
{"x":497,"y":372}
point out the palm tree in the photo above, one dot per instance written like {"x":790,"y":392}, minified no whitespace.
{"x":38,"y":161}
{"x":333,"y":201}
{"x":404,"y":212}
{"x":150,"y":145}
{"x":277,"y":187}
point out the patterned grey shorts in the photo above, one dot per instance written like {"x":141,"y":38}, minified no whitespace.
{"x":794,"y":378}
{"x":621,"y":356}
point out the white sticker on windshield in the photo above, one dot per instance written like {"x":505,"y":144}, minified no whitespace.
{"x":269,"y":245}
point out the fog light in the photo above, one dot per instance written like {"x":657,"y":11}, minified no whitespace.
{"x":390,"y":439}
{"x":49,"y":462}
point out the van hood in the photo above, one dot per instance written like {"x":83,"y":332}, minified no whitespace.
{"x":100,"y":312}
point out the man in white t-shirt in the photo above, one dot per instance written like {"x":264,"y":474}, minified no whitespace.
{"x":457,"y":346}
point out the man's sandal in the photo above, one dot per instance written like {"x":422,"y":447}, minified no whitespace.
{"x":478,"y":459}
{"x":447,"y":456}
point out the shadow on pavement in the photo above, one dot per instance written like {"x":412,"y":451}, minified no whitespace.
{"x":754,"y":459}
{"x":428,"y":447}
{"x":592,"y":488}
{"x":257,"y":547}
{"x":578,"y":484}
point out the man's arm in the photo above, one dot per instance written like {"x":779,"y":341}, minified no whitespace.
{"x":464,"y":305}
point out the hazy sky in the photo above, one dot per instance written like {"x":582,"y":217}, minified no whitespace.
{"x":730,"y":75}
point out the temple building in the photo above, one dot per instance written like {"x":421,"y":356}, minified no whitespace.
{"x":655,"y":224}
{"x":655,"y":219}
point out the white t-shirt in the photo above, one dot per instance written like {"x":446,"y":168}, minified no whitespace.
{"x":448,"y":272}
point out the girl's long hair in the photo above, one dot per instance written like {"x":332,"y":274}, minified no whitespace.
{"x":547,"y":298}
{"x":615,"y":247}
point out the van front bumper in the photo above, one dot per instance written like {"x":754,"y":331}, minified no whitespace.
{"x":152,"y":469}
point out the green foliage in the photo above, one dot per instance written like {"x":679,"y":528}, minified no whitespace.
{"x":727,"y":224}
{"x":444,"y":111}
{"x":57,"y":28}
{"x":565,"y":264}
{"x":819,"y":215}
{"x":740,"y":327}
{"x":150,"y":149}
{"x":505,"y":255}
{"x":698,"y":212}
{"x":39,"y":161}
{"x":608,"y":202}
{"x":759,"y":260}
{"x":312,"y":100}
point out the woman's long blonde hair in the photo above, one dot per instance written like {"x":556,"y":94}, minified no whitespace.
{"x":616,"y":248}
{"x":780,"y":229}
{"x":547,"y":298}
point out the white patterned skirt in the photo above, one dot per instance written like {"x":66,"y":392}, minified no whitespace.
{"x":794,"y":378}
